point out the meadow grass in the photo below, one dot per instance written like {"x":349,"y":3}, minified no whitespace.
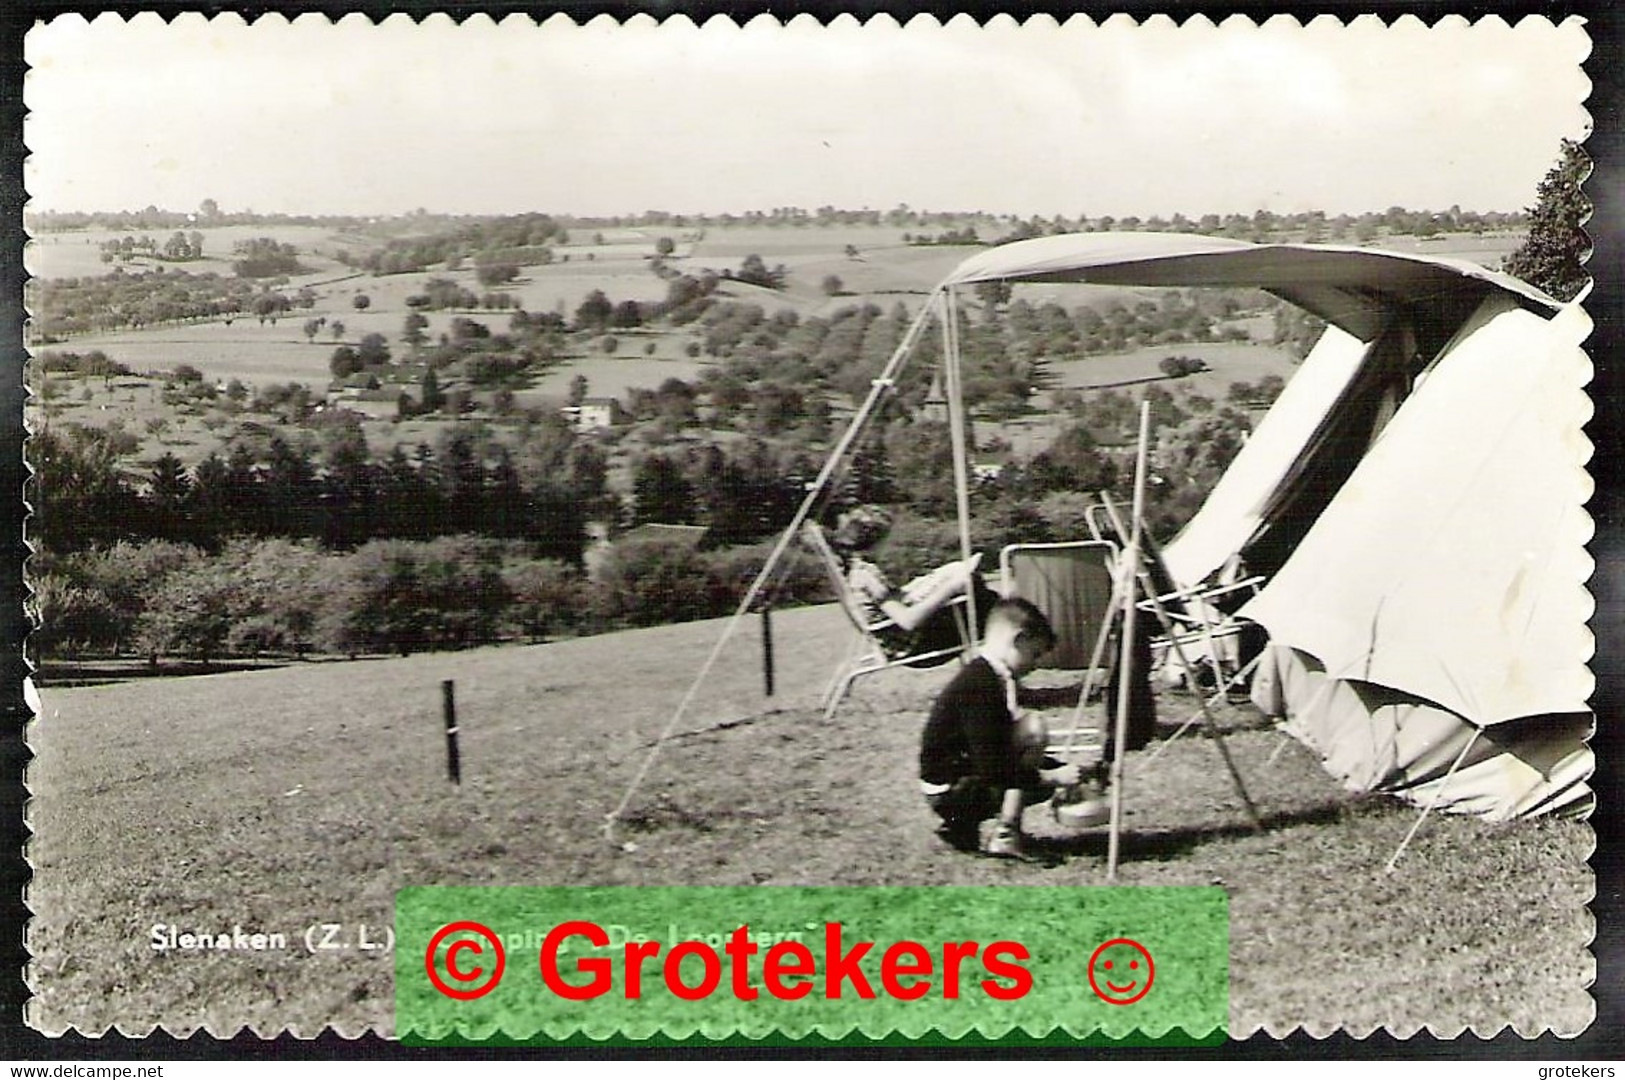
{"x":282,"y":799}
{"x":1228,"y":362}
{"x":78,"y":253}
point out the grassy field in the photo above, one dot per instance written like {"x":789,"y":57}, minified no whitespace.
{"x":613,"y":378}
{"x":281,"y":799}
{"x":78,"y":254}
{"x":1228,"y":361}
{"x":884,"y":271}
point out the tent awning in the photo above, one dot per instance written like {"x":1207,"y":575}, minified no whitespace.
{"x":1352,"y":288}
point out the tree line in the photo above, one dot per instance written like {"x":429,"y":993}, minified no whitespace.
{"x":286,"y":597}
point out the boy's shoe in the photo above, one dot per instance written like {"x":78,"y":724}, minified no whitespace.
{"x":1004,"y":843}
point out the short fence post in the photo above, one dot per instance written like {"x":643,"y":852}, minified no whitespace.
{"x":767,"y":649}
{"x":449,"y":707}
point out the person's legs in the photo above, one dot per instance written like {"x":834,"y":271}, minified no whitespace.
{"x":945,"y":628}
{"x":1142,"y":703}
{"x":963,"y":808}
{"x":928,"y":592}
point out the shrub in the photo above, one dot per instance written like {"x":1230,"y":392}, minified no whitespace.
{"x":649,"y":582}
{"x":546,"y":597}
{"x":254,"y":596}
{"x":284,"y":595}
{"x":917,"y":545}
{"x":392,"y":595}
{"x":463,"y":590}
{"x":193,"y":610}
{"x":371,"y":602}
{"x":733,"y":569}
{"x":126,"y":576}
{"x":71,"y":616}
{"x":1177,"y":367}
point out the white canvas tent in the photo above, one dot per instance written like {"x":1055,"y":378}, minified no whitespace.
{"x":1446,"y":581}
{"x":1415,"y":497}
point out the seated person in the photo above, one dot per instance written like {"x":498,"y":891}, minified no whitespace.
{"x":916,"y":618}
{"x":980,"y":757}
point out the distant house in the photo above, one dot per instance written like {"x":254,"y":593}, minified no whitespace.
{"x":351,"y":387}
{"x":377,"y":394}
{"x":373,"y":404}
{"x":595,"y":413}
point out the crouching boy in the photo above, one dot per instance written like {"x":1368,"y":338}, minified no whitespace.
{"x":978,"y":759}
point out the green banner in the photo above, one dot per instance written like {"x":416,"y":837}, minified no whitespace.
{"x":1051,"y":966}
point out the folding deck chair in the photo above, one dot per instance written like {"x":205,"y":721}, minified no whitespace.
{"x":1071,"y":583}
{"x":868,"y":655}
{"x":1203,"y":624}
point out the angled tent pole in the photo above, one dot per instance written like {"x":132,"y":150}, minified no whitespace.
{"x":1213,"y":699}
{"x":1190,"y":594}
{"x":1131,"y":560}
{"x":1212,"y":726}
{"x":877,"y":390}
{"x":961,"y":449}
{"x":1438,"y":794}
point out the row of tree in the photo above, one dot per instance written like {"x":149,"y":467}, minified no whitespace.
{"x":64,"y":307}
{"x":286,"y":597}
{"x":507,"y":241}
{"x":338,"y":494}
{"x":180,"y":247}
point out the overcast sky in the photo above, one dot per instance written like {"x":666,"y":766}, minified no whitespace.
{"x":315,"y":117}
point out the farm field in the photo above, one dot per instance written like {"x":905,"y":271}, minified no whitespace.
{"x":256,"y":354}
{"x":1228,"y":361}
{"x":1486,"y":250}
{"x":613,"y":377}
{"x":885,"y":272}
{"x":310,"y":794}
{"x":78,"y":254}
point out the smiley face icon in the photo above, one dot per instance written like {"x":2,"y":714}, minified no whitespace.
{"x":1121,"y":972}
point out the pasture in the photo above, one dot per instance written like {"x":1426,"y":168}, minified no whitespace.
{"x":78,"y":253}
{"x":279,"y":800}
{"x":884,"y":271}
{"x":1486,"y":249}
{"x":614,"y":376}
{"x":1228,"y":361}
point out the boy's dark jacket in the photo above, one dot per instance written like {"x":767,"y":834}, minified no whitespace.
{"x":971,"y":734}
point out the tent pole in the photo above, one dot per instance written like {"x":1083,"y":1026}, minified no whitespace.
{"x":1213,"y":699}
{"x":1131,"y":561}
{"x":1212,"y":725}
{"x":877,"y":390}
{"x":1192,"y":599}
{"x":1438,"y":794}
{"x":961,"y":451}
